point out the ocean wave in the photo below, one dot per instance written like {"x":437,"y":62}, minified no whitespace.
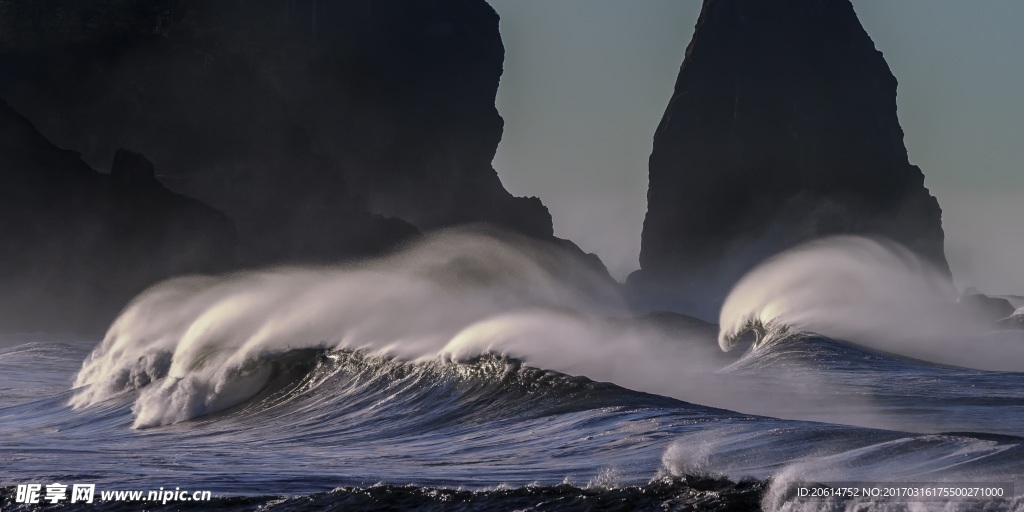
{"x":357,"y":389}
{"x":668,"y":494}
{"x":788,"y":457}
{"x":870,"y":292}
{"x":195,"y":346}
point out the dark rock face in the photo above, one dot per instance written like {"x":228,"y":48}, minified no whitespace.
{"x":324,"y":130}
{"x":986,"y":308}
{"x":288,"y":115}
{"x":782,"y":128}
{"x":76,"y":245}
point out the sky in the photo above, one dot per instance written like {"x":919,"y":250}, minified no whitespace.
{"x":586,"y":82}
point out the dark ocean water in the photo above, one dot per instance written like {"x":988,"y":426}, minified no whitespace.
{"x":489,"y":383}
{"x":341,"y":430}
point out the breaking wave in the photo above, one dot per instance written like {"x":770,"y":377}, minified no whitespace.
{"x":503,"y":373}
{"x":199,"y":345}
{"x":870,"y":292}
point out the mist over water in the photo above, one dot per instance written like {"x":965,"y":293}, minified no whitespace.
{"x":194,"y":346}
{"x":870,"y":292}
{"x":981,"y":242}
{"x":477,"y":359}
{"x":455,"y":296}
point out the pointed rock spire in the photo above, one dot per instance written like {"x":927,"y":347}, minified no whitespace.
{"x":782,"y":128}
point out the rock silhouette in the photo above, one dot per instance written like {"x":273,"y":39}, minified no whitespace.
{"x":303,"y":120}
{"x":782,"y":128}
{"x":76,"y":245}
{"x":325,"y":131}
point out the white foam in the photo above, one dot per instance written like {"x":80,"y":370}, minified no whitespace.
{"x":871,"y":292}
{"x":196,"y":345}
{"x":455,"y":295}
{"x":779,"y":455}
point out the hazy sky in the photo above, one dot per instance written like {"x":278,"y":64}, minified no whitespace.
{"x":586,"y":83}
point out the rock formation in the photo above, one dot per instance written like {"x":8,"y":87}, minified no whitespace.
{"x":304,"y":120}
{"x":325,"y":131}
{"x":782,"y":128}
{"x":985,"y":308}
{"x":76,"y":245}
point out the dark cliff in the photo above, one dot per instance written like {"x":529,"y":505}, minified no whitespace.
{"x":782,"y":128}
{"x":325,"y":131}
{"x":305,"y":121}
{"x":76,"y":245}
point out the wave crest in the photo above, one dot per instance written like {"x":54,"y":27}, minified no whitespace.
{"x":874,"y":293}
{"x":210,"y":340}
{"x":195,"y":346}
{"x":838,"y":286}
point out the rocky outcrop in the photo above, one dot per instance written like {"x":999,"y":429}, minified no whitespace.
{"x":76,"y":245}
{"x":782,"y":128}
{"x":306,"y":121}
{"x":1000,"y":312}
{"x":986,"y":309}
{"x":325,"y":131}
